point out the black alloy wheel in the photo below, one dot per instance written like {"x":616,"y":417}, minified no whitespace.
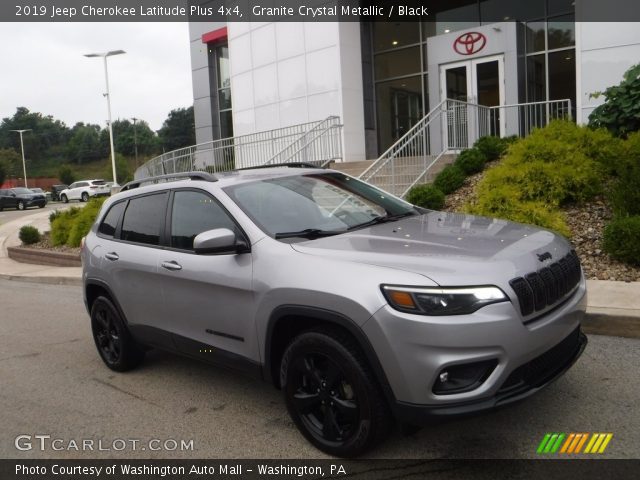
{"x":331,"y":394}
{"x":116,"y":346}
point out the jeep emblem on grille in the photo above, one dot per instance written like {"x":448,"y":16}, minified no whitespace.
{"x":544,"y":256}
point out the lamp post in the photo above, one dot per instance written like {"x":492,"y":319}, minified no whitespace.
{"x":135,"y":138}
{"x":24,"y":165}
{"x":106,"y":77}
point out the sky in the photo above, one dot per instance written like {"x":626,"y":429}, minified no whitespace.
{"x":42,"y":68}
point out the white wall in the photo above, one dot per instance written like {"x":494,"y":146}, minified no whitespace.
{"x":287,"y":73}
{"x":605,"y":51}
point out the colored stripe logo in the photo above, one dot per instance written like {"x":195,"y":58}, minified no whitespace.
{"x":573,"y":443}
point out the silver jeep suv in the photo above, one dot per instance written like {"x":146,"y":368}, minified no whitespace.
{"x":361,"y":307}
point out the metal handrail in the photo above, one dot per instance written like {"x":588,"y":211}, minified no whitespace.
{"x":331,"y":121}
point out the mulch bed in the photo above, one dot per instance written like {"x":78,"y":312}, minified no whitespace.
{"x":45,"y":244}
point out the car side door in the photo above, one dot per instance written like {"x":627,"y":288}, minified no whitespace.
{"x":208,"y":298}
{"x":10,"y":199}
{"x":130,"y":246}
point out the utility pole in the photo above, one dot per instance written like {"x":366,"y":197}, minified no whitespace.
{"x":135,"y":138}
{"x":24,"y":165}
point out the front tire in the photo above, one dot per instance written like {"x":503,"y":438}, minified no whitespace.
{"x":64,"y":199}
{"x":332,"y":394}
{"x":117,"y":348}
{"x":21,"y":206}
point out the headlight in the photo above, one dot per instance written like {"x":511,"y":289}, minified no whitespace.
{"x":441,"y":301}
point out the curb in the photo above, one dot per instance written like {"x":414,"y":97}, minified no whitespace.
{"x":73,"y":281}
{"x":36,"y":256}
{"x":612,"y":325}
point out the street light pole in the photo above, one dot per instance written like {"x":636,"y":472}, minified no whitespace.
{"x":24,"y":164}
{"x":135,"y":138}
{"x":106,"y":77}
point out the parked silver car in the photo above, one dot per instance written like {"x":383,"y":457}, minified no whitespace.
{"x":361,"y":307}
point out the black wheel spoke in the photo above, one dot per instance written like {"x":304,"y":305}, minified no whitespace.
{"x":330,"y":429}
{"x":306,"y":402}
{"x":347,"y":409}
{"x":332,"y":376}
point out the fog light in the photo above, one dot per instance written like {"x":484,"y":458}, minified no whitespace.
{"x":463,"y":378}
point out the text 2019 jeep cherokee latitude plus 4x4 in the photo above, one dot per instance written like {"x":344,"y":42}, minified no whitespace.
{"x":359,"y":306}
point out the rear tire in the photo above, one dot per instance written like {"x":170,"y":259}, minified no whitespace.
{"x":85,"y":197}
{"x":64,"y":199}
{"x":117,"y":348}
{"x":21,"y":206}
{"x":332,"y":394}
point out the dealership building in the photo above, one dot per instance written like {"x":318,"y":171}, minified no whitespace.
{"x":381,"y":78}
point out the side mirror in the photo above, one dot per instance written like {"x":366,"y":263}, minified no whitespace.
{"x":220,"y":241}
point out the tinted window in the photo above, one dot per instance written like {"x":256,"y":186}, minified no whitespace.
{"x":111,"y":219}
{"x":144,"y":219}
{"x":73,"y":185}
{"x":194,"y":213}
{"x":99,"y":182}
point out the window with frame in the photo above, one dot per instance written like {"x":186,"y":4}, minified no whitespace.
{"x":144,"y":219}
{"x":193,"y":213}
{"x":111,"y":219}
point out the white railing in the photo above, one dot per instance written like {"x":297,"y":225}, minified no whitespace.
{"x":320,"y":145}
{"x":251,"y":150}
{"x":452,"y":126}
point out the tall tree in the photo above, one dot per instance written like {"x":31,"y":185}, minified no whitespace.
{"x":9,"y":162}
{"x":126,"y":135}
{"x":178,"y":130}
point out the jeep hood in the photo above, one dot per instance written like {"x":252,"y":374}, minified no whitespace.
{"x":448,"y":248}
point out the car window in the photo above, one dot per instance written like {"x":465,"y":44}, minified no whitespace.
{"x":144,"y":219}
{"x":99,"y":182}
{"x":83,"y":184}
{"x":325,"y":201}
{"x":111,"y":219}
{"x":73,"y":185}
{"x":194,"y":213}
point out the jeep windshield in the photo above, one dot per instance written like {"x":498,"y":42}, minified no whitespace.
{"x":316,"y":205}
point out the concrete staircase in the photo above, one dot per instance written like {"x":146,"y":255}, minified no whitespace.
{"x":398,"y":177}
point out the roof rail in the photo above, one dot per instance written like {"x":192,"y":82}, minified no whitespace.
{"x":288,"y":165}
{"x":204,"y":176}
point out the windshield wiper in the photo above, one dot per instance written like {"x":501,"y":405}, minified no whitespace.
{"x":384,"y":219}
{"x":310,"y":233}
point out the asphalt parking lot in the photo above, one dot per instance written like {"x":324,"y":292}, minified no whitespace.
{"x":52,"y":382}
{"x":8,"y":215}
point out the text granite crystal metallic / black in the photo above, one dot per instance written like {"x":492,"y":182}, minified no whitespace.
{"x":360,"y":307}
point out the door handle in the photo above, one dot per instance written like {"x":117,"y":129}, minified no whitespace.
{"x":172,"y":265}
{"x":113,"y":256}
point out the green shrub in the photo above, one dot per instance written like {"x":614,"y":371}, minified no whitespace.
{"x":82,"y":223}
{"x":53,"y":215}
{"x":29,"y":235}
{"x":492,"y":147}
{"x":61,"y":226}
{"x":471,"y":161}
{"x":620,"y":112}
{"x":426,"y":196}
{"x":503,"y":202}
{"x":622,"y":239}
{"x":625,"y":192}
{"x":450,"y":179}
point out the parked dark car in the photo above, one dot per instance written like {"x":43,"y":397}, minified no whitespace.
{"x":47,"y":195}
{"x":21,"y":199}
{"x":55,"y":192}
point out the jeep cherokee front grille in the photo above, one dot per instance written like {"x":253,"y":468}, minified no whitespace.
{"x":539,"y":290}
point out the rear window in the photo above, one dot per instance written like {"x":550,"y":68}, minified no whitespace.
{"x":111,"y":219}
{"x":99,"y":182}
{"x":144,"y":219}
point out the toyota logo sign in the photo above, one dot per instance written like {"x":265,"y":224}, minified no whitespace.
{"x":469,"y":43}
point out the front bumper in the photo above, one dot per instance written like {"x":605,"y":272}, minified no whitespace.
{"x":36,"y":202}
{"x":526,"y":381}
{"x":413,"y":350}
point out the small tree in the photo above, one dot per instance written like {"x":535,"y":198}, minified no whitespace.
{"x":620,"y":112}
{"x":65,"y":174}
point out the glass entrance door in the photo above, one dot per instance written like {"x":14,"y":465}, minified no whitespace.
{"x":479,"y":84}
